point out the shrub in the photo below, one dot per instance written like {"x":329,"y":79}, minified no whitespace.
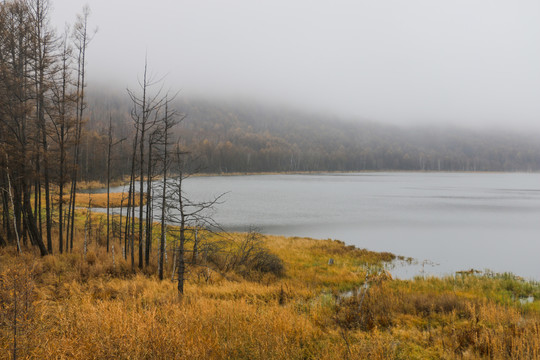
{"x":250,"y":258}
{"x":266,"y":262}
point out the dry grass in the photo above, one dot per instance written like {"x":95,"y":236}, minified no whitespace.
{"x":92,"y":307}
{"x":100,"y":200}
{"x":90,"y":185}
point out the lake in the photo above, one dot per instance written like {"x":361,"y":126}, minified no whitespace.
{"x":447,"y":221}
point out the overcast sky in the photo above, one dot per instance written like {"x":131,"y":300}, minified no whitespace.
{"x":401,"y":61}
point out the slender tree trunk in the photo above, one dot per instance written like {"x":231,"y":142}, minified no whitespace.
{"x":128,"y":215}
{"x":141,"y":164}
{"x":181,"y":267}
{"x":141,"y":200}
{"x":131,"y":202}
{"x":173,"y":272}
{"x":148,"y":241}
{"x":71,"y":222}
{"x":120,"y":224}
{"x":36,"y":193}
{"x":109,"y":178}
{"x":195,"y":246}
{"x":17,"y":213}
{"x":37,"y":212}
{"x":62,"y":145}
{"x":15,"y":225}
{"x":133,"y":230}
{"x":5,"y":210}
{"x":68,"y":217}
{"x":82,"y":38}
{"x":87,"y":225}
{"x":31,"y":223}
{"x":62,"y":106}
{"x":163,"y":207}
{"x":48,"y":223}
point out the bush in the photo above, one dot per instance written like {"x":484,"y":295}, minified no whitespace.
{"x":266,"y":262}
{"x":251,"y":258}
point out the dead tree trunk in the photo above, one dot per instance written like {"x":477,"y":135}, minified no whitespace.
{"x":109,"y":147}
{"x":82,"y":39}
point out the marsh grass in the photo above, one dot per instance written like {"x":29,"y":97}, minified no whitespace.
{"x":93,"y":308}
{"x":99,"y":200}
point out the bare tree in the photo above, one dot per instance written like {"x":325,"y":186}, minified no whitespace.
{"x":110,"y":144}
{"x":185,"y":213}
{"x":62,"y":118}
{"x":169,"y":121}
{"x":145,"y":114}
{"x":81,"y":39}
{"x":130,"y":221}
{"x":43,"y":46}
{"x":152,"y":140}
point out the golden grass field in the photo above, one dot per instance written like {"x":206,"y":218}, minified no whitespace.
{"x":74,"y":307}
{"x":100,"y":200}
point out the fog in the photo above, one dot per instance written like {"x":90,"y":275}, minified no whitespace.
{"x":457,"y":62}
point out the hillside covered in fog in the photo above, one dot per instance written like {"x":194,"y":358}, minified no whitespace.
{"x":228,"y":137}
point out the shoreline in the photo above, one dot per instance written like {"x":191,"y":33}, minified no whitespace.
{"x":96,"y":185}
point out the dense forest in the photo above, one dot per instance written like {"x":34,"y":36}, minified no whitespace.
{"x":228,"y":137}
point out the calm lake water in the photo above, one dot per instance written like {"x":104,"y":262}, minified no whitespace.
{"x":454,"y":221}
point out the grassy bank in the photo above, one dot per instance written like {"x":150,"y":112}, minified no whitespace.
{"x":99,"y":200}
{"x":97,"y":307}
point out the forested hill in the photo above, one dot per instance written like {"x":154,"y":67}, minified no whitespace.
{"x":246,"y":137}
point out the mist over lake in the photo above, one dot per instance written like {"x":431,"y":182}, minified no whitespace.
{"x":458,"y":221}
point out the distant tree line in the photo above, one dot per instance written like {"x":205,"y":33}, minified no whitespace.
{"x":243,"y":137}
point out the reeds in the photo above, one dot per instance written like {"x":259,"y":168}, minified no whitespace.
{"x":91,"y":308}
{"x":99,"y":200}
